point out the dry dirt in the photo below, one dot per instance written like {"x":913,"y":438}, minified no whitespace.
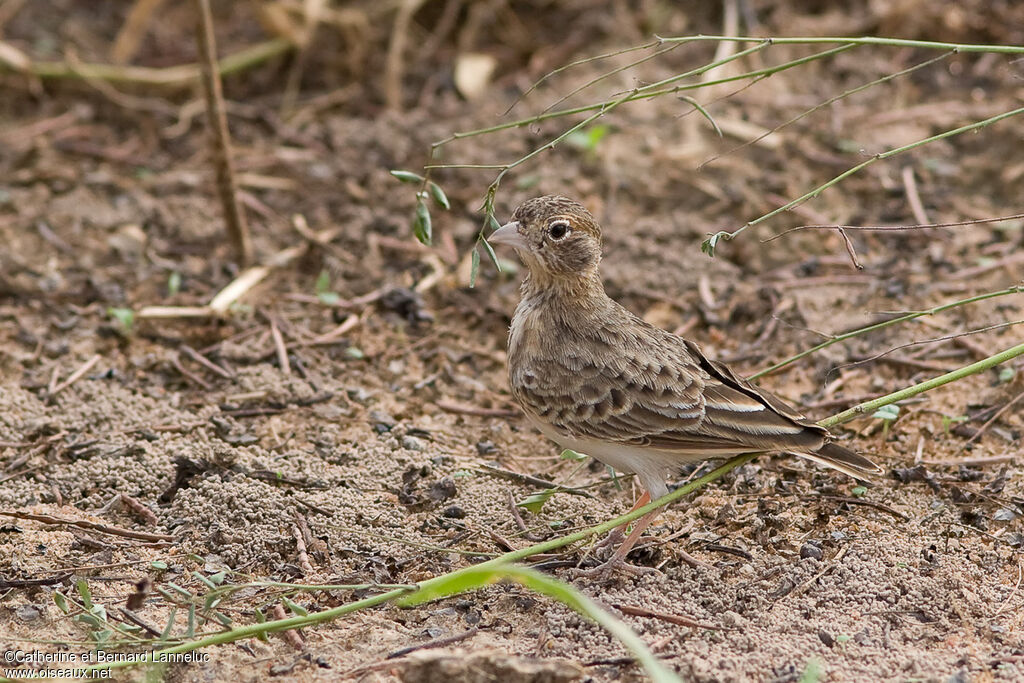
{"x":377,"y":447}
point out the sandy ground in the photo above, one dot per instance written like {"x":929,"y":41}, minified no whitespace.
{"x":378,"y":449}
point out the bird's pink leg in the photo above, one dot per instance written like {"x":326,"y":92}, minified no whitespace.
{"x":616,"y":535}
{"x":618,"y":560}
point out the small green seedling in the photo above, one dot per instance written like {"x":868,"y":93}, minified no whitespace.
{"x":535,"y":501}
{"x":949,"y":420}
{"x":587,"y":140}
{"x":173,"y":283}
{"x":125,"y":318}
{"x":887,"y":414}
{"x":323,"y":289}
{"x":569,"y":454}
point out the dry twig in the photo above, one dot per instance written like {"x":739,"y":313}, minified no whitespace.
{"x":238,"y":229}
{"x":86,"y":524}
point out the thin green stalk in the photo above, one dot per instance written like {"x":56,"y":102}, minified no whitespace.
{"x":960,"y":373}
{"x":710,"y":243}
{"x":644,"y":93}
{"x":579,"y":62}
{"x":867,"y":40}
{"x":822,"y":105}
{"x":1016,"y":289}
{"x":565,"y":593}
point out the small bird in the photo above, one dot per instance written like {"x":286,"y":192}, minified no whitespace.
{"x":597,"y":379}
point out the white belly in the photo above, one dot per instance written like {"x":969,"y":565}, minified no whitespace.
{"x":650,"y":465}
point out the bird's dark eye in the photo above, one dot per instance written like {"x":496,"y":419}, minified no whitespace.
{"x":558,"y":230}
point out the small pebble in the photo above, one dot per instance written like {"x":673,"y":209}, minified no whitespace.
{"x":453,"y":512}
{"x":443,"y":489}
{"x":28,"y":613}
{"x":810,"y":549}
{"x":411,"y":443}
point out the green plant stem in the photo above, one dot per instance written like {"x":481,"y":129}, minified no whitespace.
{"x":331,"y":614}
{"x":877,"y":157}
{"x":960,"y":373}
{"x":831,"y":100}
{"x":866,"y":40}
{"x":565,"y":593}
{"x":647,"y":92}
{"x":1016,"y":289}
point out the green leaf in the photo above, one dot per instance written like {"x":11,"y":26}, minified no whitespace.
{"x":478,"y":577}
{"x":569,"y":454}
{"x":83,"y":590}
{"x":323,"y":282}
{"x":474,"y":267}
{"x":491,"y":255}
{"x":588,"y":139}
{"x":173,"y":283}
{"x":859,"y":491}
{"x":261,"y":618}
{"x":421,"y":225}
{"x":124,"y":316}
{"x":407,"y":176}
{"x":491,"y":222}
{"x":170,"y":624}
{"x":703,"y":111}
{"x":322,"y":288}
{"x":355,"y":353}
{"x":708,"y":246}
{"x":61,"y":602}
{"x":440,"y":198}
{"x":295,"y":607}
{"x":209,"y":584}
{"x":182,"y":591}
{"x":190,"y":632}
{"x":1006,"y":374}
{"x":888,"y":413}
{"x":158,"y":565}
{"x":535,"y":501}
{"x":219,"y":577}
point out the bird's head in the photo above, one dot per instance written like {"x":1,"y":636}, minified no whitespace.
{"x":555,"y":237}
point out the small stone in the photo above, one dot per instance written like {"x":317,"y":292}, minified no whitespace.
{"x":485,"y":447}
{"x":453,"y":512}
{"x":443,"y":489}
{"x":411,"y":443}
{"x":28,"y":612}
{"x":358,"y":394}
{"x":811,"y":549}
{"x":381,"y":421}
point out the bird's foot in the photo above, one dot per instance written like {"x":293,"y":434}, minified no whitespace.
{"x":612,"y":540}
{"x":606,"y":571}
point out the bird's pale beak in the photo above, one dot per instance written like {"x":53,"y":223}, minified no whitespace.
{"x":509,"y":235}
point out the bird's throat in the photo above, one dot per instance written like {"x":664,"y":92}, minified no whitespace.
{"x":576,"y":288}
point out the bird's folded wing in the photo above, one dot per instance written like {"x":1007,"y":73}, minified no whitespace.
{"x":686,"y":404}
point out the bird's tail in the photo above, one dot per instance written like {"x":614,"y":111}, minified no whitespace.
{"x":843,"y":459}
